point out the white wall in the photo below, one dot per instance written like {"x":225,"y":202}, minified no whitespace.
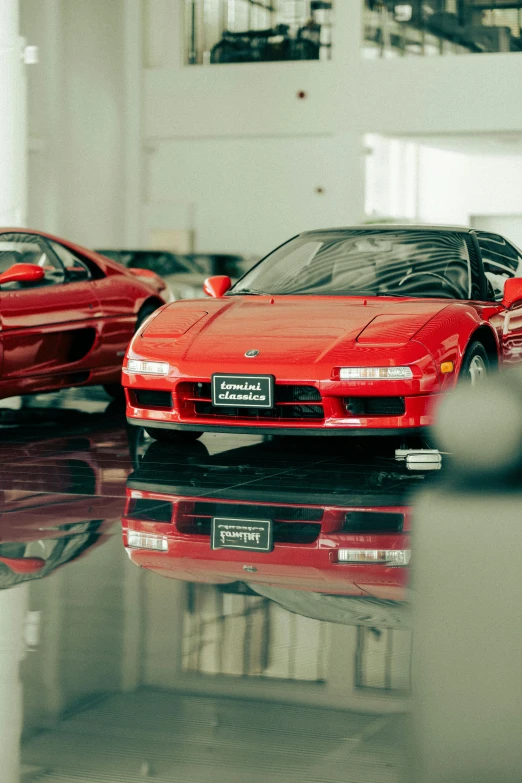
{"x":461,"y":93}
{"x":494,"y":184}
{"x":453,"y":186}
{"x":443,"y":187}
{"x":250,"y":194}
{"x":76,"y":118}
{"x":426,"y":184}
{"x":13,"y":118}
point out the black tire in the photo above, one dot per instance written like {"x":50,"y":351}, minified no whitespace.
{"x":144,"y":313}
{"x":475,"y":365}
{"x":173,"y":436}
{"x":115,"y":390}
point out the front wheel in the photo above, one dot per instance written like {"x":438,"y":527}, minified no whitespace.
{"x":115,"y":390}
{"x":173,"y":436}
{"x":475,"y":365}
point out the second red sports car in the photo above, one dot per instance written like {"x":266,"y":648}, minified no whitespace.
{"x":66,"y":314}
{"x":338,"y":331}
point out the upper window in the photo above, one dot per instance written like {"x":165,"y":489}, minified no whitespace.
{"x":433,"y":27}
{"x":252,"y":31}
{"x":76,"y":268}
{"x":365,"y":262}
{"x":29,"y":249}
{"x":501,"y":261}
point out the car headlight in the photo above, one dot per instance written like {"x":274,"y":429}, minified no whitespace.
{"x":375,"y":373}
{"x":389,"y":557}
{"x":147,"y":368}
{"x":137,"y":540}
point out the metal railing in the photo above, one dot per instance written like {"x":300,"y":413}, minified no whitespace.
{"x":441,"y":27}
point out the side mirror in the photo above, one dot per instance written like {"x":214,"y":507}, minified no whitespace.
{"x":512,"y":291}
{"x":217,"y":286}
{"x":22,"y":273}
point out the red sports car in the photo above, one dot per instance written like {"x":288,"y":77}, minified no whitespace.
{"x":353,"y":330}
{"x":66,"y":314}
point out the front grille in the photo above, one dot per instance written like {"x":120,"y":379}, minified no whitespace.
{"x":291,"y":402}
{"x":373,"y":522}
{"x":146,"y":398}
{"x":375,"y":406}
{"x":277,"y":413}
{"x":297,"y":394}
{"x":292,"y":524}
{"x":147,"y":510}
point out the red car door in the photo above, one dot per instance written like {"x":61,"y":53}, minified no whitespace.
{"x":501,"y":261}
{"x":47,"y":327}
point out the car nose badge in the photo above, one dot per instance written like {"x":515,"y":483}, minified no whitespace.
{"x":252,"y":353}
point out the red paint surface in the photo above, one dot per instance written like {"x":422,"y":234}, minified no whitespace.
{"x":311,"y":566}
{"x":39,"y":325}
{"x":305,"y":340}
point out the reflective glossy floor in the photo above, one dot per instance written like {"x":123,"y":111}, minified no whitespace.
{"x":144,"y":652}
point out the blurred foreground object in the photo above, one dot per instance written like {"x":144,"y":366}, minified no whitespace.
{"x":468,"y":690}
{"x":481,"y":426}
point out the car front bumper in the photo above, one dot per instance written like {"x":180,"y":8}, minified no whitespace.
{"x":401,"y":406}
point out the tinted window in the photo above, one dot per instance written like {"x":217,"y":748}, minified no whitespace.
{"x":501,"y":261}
{"x":29,"y":249}
{"x":74,"y":265}
{"x":368,"y":262}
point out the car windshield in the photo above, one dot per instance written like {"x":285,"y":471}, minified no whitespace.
{"x":364,"y":262}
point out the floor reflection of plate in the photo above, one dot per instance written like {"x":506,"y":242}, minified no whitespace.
{"x":253,"y":535}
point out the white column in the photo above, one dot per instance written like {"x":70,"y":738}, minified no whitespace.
{"x":133,"y":195}
{"x":12,"y":212}
{"x":13,"y":606}
{"x":12,"y":119}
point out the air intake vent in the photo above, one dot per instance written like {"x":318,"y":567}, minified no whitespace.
{"x":146,"y":398}
{"x":375,"y":406}
{"x":373,"y":522}
{"x":146,"y":510}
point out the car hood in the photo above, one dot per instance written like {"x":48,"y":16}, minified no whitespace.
{"x":292,"y":329}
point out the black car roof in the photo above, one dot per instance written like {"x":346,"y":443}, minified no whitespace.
{"x":392,"y":227}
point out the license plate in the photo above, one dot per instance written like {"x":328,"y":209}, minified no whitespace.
{"x":251,"y":534}
{"x":243,"y":391}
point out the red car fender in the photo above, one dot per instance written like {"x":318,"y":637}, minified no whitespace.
{"x":447,"y":335}
{"x":151,"y":278}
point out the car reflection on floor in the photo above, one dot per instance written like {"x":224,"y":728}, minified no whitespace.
{"x":303,"y":533}
{"x":59,"y":496}
{"x":133,"y":674}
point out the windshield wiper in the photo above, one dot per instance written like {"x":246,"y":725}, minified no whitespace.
{"x":248,"y":292}
{"x":395,"y":296}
